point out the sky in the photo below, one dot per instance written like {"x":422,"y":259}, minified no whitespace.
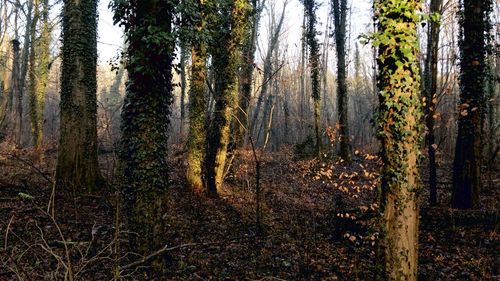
{"x":111,"y":37}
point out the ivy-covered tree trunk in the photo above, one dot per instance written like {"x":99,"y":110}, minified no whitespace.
{"x":77,"y":165}
{"x":467,"y":164}
{"x":145,"y":119}
{"x":399,"y":132}
{"x":197,"y":103}
{"x":310,"y":12}
{"x":340,"y":19}
{"x":226,"y":61}
{"x":430,"y":94}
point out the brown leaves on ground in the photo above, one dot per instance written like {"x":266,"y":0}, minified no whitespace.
{"x":318,"y":223}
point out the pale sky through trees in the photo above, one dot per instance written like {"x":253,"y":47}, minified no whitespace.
{"x":110,"y":36}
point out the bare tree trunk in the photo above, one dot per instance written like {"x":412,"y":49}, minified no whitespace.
{"x":268,"y":67}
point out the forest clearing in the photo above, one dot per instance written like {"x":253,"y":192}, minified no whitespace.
{"x":249,"y":140}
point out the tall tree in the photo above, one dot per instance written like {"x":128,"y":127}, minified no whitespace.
{"x":340,"y":20}
{"x":399,"y":132}
{"x":39,"y":69}
{"x":77,"y":164}
{"x":226,"y":61}
{"x":273,"y":44}
{"x":430,"y":93}
{"x":15,"y":91}
{"x":475,"y":25}
{"x":197,"y":101}
{"x":246,"y":73}
{"x":145,"y":119}
{"x":310,"y":8}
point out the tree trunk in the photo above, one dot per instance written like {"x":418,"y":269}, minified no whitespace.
{"x":310,"y":10}
{"x":197,"y":106}
{"x":430,"y":94}
{"x":39,"y":70}
{"x":246,"y":77}
{"x":77,"y":165}
{"x":340,"y":17}
{"x":468,"y":150}
{"x":268,"y":67}
{"x":399,"y":132}
{"x":226,"y":62}
{"x":15,"y":91}
{"x":145,"y":120}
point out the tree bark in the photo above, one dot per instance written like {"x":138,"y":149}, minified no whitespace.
{"x":39,"y":70}
{"x":246,"y":77}
{"x":226,"y":62}
{"x":399,"y":132}
{"x":468,"y":159}
{"x":340,"y":18}
{"x":145,"y":121}
{"x":77,"y":165}
{"x":197,"y":105}
{"x":430,"y":93}
{"x":310,"y":11}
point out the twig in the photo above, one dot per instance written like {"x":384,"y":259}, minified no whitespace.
{"x":7,"y":232}
{"x":257,"y":184}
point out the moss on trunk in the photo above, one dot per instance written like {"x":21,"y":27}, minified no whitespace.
{"x":197,"y":105}
{"x":77,"y":165}
{"x":226,"y":61}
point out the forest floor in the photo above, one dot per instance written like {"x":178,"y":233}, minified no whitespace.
{"x":317,"y":223}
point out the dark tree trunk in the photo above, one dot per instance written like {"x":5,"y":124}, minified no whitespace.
{"x":311,"y":32}
{"x":430,"y":94}
{"x":468,"y":150}
{"x":340,"y":19}
{"x":145,"y":120}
